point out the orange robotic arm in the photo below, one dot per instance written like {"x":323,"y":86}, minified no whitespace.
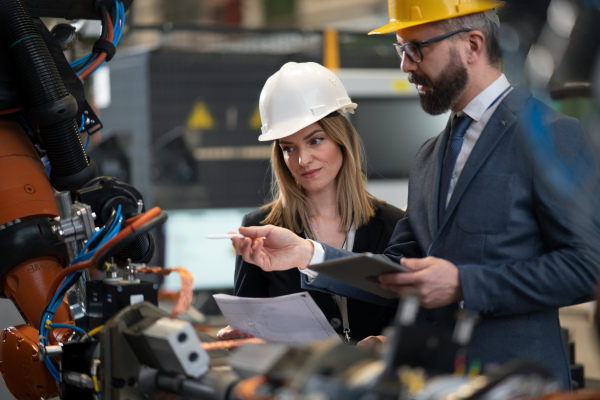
{"x":32,"y":258}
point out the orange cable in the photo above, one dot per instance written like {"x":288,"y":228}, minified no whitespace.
{"x":61,"y":275}
{"x":127,"y":228}
{"x":184,"y":299}
{"x":11,"y":110}
{"x":102,"y":56}
{"x":130,"y":227}
{"x":229,"y":344}
{"x":249,"y":389}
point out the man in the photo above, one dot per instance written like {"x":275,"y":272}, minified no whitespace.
{"x":501,"y":217}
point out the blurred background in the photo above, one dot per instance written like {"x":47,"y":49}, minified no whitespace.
{"x":179,"y":105}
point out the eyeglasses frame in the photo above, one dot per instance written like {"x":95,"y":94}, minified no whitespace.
{"x":400,"y":47}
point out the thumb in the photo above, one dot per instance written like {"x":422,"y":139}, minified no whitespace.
{"x":415,"y":264}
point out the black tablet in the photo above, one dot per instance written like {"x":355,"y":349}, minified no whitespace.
{"x":361,"y":271}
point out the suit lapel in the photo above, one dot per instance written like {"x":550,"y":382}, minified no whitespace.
{"x":424,"y":186}
{"x":433,"y":196}
{"x":501,"y":121}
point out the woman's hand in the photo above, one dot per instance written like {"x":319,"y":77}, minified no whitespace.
{"x":273,"y":248}
{"x":374,"y":343}
{"x":230,"y":334}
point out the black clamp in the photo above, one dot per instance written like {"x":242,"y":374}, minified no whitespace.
{"x":103,"y":3}
{"x":104,"y":46}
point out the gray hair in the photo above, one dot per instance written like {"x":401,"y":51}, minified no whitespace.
{"x":482,"y":23}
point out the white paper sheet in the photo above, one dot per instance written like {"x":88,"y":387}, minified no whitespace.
{"x":293,"y":319}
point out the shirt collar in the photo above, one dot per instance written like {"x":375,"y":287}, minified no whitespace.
{"x":484,"y":100}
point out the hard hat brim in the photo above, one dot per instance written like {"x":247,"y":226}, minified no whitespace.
{"x":395,"y":25}
{"x":275,"y":134}
{"x":390,"y":27}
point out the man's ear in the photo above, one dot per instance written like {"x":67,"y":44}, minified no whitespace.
{"x":475,"y":46}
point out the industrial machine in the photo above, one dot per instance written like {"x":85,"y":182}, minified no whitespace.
{"x":52,"y":199}
{"x":105,"y":338}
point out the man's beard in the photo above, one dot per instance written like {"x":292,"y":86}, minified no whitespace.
{"x":441,"y":96}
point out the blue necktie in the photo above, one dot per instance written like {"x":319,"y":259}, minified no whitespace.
{"x":459,"y":127}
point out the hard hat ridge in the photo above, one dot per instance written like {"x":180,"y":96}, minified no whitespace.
{"x":407,"y":13}
{"x":298,"y":95}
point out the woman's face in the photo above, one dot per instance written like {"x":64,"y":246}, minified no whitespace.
{"x":312,"y":157}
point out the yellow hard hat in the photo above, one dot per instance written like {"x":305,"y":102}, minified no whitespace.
{"x":407,"y":13}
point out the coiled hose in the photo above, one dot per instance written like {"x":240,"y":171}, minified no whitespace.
{"x":51,"y":107}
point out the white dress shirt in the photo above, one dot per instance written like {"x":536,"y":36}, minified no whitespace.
{"x":480,"y":109}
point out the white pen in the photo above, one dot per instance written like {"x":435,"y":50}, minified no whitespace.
{"x":227,"y":236}
{"x":224,"y":235}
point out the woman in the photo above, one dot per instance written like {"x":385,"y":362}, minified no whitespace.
{"x":318,"y":187}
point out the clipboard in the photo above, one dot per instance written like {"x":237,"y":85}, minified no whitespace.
{"x":361,"y":271}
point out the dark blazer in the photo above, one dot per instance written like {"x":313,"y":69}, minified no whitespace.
{"x":521,"y":226}
{"x":364,"y":318}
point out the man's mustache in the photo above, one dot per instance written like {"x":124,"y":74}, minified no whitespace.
{"x":417,"y":80}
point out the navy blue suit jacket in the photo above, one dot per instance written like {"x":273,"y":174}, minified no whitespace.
{"x":521,"y":226}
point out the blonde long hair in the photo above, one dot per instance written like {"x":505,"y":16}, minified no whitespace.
{"x":355,"y":204}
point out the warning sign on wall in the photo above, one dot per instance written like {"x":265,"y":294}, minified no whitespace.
{"x":200,"y":117}
{"x":255,"y":122}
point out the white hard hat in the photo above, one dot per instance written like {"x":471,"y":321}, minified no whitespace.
{"x":298,"y":95}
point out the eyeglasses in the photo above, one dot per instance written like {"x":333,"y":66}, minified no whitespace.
{"x":413,"y":50}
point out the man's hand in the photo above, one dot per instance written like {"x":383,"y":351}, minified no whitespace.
{"x":273,"y":248}
{"x":436,"y":281}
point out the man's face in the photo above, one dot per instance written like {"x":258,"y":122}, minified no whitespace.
{"x":441,"y":76}
{"x":440,"y":94}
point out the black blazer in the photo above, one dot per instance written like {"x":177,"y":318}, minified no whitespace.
{"x":365,"y":319}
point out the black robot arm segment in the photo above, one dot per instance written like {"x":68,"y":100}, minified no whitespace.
{"x":50,"y":106}
{"x":67,"y":9}
{"x":104,"y":194}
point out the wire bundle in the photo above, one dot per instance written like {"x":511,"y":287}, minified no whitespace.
{"x":184,"y":300}
{"x":112,"y":29}
{"x":103,"y":235}
{"x":108,"y":240}
{"x":81,"y":129}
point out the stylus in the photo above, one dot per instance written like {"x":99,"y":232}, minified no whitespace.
{"x":227,"y":236}
{"x":224,"y":235}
